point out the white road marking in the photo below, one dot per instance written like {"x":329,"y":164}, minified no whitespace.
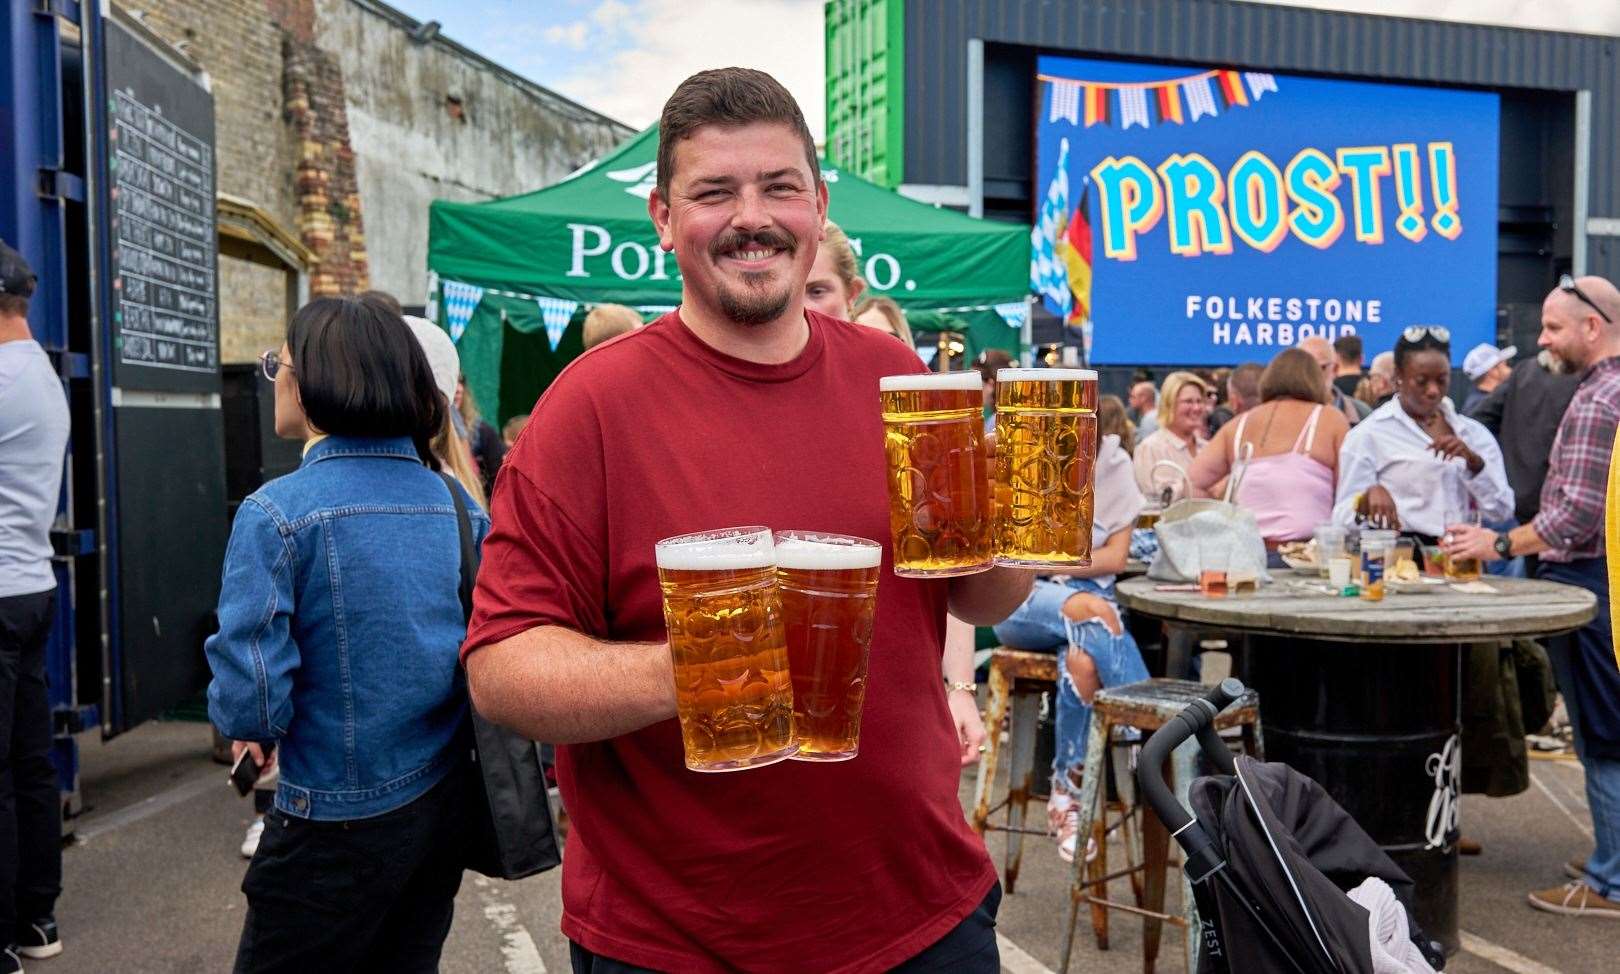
{"x":130,"y":814}
{"x":1584,"y":828}
{"x":1502,"y":957}
{"x":1016,"y":960}
{"x":517,"y":947}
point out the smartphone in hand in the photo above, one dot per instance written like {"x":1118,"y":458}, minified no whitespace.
{"x":246,"y":771}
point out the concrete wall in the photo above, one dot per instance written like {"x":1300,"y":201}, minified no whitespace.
{"x":412,"y":144}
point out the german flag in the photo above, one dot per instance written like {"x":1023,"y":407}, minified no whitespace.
{"x":1232,"y":89}
{"x":1169,"y":103}
{"x":1096,"y":105}
{"x":1075,"y":249}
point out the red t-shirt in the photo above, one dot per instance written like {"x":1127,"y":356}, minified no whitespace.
{"x":853,"y":866}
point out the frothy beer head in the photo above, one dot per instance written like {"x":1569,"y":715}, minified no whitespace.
{"x":933,"y":382}
{"x":1046,"y":375}
{"x":727,"y":549}
{"x":826,"y":553}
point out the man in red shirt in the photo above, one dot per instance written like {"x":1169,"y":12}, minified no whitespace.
{"x":741,"y":407}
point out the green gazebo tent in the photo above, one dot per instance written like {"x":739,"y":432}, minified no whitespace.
{"x":513,"y":278}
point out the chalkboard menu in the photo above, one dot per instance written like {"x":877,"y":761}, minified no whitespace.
{"x":164,"y":248}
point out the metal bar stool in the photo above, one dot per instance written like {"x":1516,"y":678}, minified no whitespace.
{"x":1144,"y":706}
{"x":1017,"y":680}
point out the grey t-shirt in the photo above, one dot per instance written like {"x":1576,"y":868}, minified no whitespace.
{"x":33,"y":440}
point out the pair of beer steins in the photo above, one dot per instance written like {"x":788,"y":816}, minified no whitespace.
{"x":949,"y":514}
{"x":769,"y":635}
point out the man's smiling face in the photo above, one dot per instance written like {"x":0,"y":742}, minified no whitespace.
{"x":744,"y":215}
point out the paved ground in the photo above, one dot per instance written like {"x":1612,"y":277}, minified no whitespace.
{"x":152,"y":881}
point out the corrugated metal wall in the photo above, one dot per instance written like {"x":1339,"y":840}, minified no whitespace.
{"x":1258,"y":36}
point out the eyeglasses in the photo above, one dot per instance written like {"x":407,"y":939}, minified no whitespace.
{"x":270,"y":364}
{"x":1567,"y":283}
{"x":1415,"y":333}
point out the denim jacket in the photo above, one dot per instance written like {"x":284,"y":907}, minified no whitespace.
{"x":339,"y":628}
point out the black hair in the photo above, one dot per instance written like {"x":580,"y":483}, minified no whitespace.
{"x":1405,"y":348}
{"x":361,"y":372}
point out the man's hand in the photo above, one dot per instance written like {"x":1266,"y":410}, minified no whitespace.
{"x":1451,"y":445}
{"x":1379,"y":508}
{"x":259,"y":758}
{"x":1469,"y":541}
{"x":969,"y":725}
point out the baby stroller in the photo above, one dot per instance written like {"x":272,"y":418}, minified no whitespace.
{"x":1273,"y":862}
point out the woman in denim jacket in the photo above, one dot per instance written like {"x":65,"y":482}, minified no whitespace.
{"x":1076,"y":616}
{"x":340,"y":624}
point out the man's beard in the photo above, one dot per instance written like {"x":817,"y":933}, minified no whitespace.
{"x":1557,"y":364}
{"x":753,"y":304}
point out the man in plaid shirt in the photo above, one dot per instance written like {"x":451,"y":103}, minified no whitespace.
{"x":1580,"y":326}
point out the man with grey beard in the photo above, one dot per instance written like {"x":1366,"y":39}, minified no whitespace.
{"x":1580,"y":326}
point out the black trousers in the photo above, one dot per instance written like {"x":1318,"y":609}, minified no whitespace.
{"x":373,"y":894}
{"x":30,"y":807}
{"x":969,"y":948}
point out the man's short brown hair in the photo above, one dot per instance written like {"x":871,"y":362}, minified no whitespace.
{"x":1245,"y":381}
{"x":728,"y":97}
{"x":1349,"y":349}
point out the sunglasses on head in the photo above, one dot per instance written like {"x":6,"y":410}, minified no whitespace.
{"x":1567,"y":283}
{"x":1415,"y":333}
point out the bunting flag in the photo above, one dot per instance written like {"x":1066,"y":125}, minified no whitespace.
{"x":1096,"y":105}
{"x":1014,"y":313}
{"x":1133,"y":107}
{"x":1075,"y":249}
{"x":459,"y":301}
{"x":1065,"y":102}
{"x":1232,"y":89}
{"x":1200,"y":101}
{"x":1048,"y":277}
{"x":1088,"y":103}
{"x":927,"y":353}
{"x":1259,"y":83}
{"x":1169,"y":105}
{"x":556,"y":313}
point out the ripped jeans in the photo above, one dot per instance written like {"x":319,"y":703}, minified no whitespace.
{"x":1039,"y":625}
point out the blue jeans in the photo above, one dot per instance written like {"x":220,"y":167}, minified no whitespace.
{"x":1584,"y":665}
{"x":1039,"y":624}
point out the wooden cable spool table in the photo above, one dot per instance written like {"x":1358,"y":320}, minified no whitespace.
{"x":1365,"y":697}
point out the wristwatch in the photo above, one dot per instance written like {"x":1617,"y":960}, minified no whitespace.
{"x":1503,"y":546}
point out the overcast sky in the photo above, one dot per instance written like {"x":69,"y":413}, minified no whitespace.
{"x":624,"y":57}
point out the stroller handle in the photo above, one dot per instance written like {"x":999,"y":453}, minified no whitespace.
{"x":1196,"y":720}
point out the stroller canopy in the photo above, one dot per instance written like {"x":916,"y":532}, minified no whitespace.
{"x":1293,"y":852}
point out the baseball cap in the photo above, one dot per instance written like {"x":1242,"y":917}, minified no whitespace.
{"x":16,"y":277}
{"x":1484,"y":357}
{"x":441,"y":354}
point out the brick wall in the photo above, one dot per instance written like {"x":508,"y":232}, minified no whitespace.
{"x":328,"y":196}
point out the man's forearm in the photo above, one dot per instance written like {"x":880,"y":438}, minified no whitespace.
{"x":552,"y":684}
{"x":989,"y":597}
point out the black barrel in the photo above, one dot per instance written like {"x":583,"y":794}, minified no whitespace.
{"x":1378,"y":727}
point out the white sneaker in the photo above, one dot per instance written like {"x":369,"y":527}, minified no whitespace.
{"x":250,"y":842}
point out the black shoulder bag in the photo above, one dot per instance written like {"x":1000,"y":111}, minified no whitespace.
{"x":510,"y":834}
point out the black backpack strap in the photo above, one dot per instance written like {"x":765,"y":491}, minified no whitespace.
{"x":469,"y":554}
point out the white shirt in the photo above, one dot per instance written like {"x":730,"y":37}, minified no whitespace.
{"x":1158,"y":446}
{"x":33,"y":442}
{"x":1389,"y":449}
{"x":1115,"y":500}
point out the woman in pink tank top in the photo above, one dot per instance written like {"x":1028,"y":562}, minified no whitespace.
{"x":1284,"y":452}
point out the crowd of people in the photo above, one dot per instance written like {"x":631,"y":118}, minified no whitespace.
{"x":346,"y":664}
{"x":1516,"y":478}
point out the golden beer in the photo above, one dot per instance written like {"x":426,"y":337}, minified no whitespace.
{"x":733,"y":692}
{"x":829,"y":597}
{"x":939,"y":481}
{"x":1046,"y":448}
